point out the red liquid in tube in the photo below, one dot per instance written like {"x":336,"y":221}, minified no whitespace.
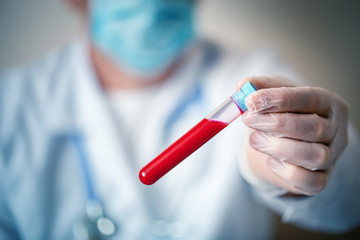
{"x":179,"y":150}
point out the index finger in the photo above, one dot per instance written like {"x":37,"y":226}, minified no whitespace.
{"x":290,"y":99}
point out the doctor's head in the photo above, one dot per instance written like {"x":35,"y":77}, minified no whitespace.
{"x":140,"y":36}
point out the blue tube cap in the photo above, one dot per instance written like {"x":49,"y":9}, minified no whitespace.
{"x":248,"y":89}
{"x":239,"y":97}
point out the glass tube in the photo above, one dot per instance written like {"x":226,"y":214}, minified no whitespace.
{"x":197,"y":136}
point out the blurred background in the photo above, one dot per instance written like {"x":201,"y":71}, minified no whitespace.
{"x":319,"y":39}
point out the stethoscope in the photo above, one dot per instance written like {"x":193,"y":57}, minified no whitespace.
{"x":95,"y":224}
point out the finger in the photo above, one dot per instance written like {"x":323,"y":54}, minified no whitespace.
{"x":308,"y":182}
{"x":305,"y":127}
{"x":291,"y":99}
{"x":312,"y":156}
{"x":260,"y":82}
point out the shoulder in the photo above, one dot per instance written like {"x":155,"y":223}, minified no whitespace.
{"x":36,"y":75}
{"x":25,"y":92}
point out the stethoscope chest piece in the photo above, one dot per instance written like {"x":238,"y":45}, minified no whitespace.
{"x":95,"y":225}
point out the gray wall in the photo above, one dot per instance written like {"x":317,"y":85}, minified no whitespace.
{"x":319,"y":38}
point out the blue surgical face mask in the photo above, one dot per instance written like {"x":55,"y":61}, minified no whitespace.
{"x":142,"y":36}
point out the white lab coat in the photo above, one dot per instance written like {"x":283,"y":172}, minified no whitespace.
{"x":205,"y":197}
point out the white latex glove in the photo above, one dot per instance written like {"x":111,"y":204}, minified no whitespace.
{"x":298,"y":133}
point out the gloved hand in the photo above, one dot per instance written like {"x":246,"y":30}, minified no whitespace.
{"x":298,"y":133}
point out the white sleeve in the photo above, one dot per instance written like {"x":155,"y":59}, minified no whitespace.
{"x":335,"y":209}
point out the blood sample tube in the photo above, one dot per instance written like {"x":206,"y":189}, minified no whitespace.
{"x":202,"y":132}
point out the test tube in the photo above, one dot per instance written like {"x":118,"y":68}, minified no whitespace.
{"x":197,"y":136}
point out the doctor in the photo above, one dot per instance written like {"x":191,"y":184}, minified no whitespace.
{"x":77,"y":126}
